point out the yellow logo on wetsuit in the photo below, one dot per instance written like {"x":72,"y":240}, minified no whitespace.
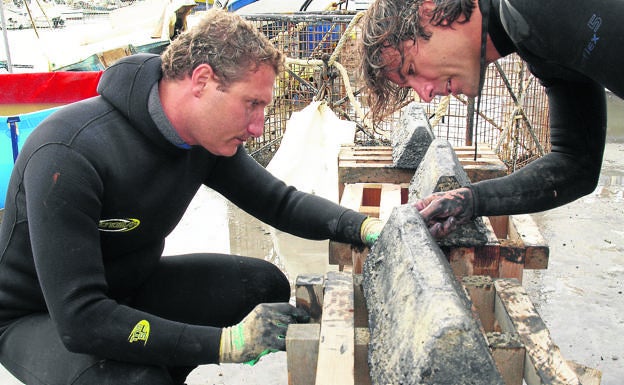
{"x":118,"y":225}
{"x":140,"y":332}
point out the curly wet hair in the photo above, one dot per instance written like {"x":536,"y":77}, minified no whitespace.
{"x":232,"y":46}
{"x":388,"y":23}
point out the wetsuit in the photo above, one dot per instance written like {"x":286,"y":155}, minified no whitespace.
{"x":94,"y":192}
{"x":574,"y":48}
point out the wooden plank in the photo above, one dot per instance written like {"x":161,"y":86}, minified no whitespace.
{"x":337,"y":339}
{"x":390,"y":198}
{"x":587,"y":376}
{"x":302,"y":344}
{"x":340,"y":253}
{"x":480,"y":290}
{"x":358,"y":256}
{"x":515,"y":313}
{"x":362,"y":334}
{"x":362,"y":371}
{"x":352,"y":196}
{"x":372,"y":174}
{"x":500,"y":225}
{"x":372,"y":199}
{"x":370,"y":164}
{"x":508,"y":353}
{"x":467,"y":261}
{"x":524,"y":228}
{"x":511,"y":262}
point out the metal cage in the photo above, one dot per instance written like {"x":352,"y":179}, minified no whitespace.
{"x":322,"y":64}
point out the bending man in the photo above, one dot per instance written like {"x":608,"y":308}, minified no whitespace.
{"x":441,"y":47}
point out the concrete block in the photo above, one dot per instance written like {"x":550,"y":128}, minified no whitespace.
{"x":420,"y":319}
{"x":441,"y":170}
{"x":411,"y":137}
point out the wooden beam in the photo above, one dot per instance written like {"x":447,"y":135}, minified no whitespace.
{"x":302,"y":345}
{"x":337,"y":340}
{"x":524,"y":228}
{"x":372,"y":199}
{"x":515,"y":313}
{"x":480,"y":290}
{"x":508,"y":353}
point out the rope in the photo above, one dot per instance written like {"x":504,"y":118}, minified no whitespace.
{"x":440,"y":110}
{"x":344,"y":37}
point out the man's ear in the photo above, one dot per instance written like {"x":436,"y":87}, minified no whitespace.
{"x":202,"y":78}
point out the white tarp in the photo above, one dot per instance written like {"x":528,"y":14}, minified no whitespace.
{"x":308,"y":159}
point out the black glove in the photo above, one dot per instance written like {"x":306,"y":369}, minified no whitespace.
{"x":443,"y":212}
{"x":261,"y":331}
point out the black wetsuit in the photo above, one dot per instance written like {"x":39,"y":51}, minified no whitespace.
{"x":575,"y":48}
{"x":96,"y":189}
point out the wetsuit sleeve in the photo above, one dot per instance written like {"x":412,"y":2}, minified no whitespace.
{"x":63,"y":194}
{"x":254,"y":189}
{"x":569,"y":171}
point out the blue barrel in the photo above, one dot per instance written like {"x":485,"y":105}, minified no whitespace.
{"x":15,"y":130}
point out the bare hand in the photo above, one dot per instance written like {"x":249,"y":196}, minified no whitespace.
{"x":443,"y":212}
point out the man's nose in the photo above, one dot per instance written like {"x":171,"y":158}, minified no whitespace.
{"x":425,"y":90}
{"x":256,"y":125}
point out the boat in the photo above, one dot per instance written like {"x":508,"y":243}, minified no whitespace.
{"x":146,"y":26}
{"x":102,"y":60}
{"x":28,"y":16}
{"x":26,"y":100}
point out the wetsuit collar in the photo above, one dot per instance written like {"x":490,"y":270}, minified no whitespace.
{"x":155,"y":108}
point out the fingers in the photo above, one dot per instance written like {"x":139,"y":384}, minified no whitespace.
{"x":292,"y":314}
{"x":442,"y":229}
{"x":301,"y":316}
{"x":424,"y":202}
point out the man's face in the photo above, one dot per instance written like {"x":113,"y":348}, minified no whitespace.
{"x":447,"y":63}
{"x":227,"y":116}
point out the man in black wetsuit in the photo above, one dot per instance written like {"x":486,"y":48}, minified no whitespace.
{"x":441,"y":47}
{"x":85,"y":296}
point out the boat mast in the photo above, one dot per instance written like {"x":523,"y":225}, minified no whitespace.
{"x":6,"y":38}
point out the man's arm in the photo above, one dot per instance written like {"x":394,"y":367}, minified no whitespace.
{"x":252,"y":188}
{"x":569,"y":171}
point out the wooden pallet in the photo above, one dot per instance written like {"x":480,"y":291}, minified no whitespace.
{"x":374,"y":164}
{"x":515,"y":242}
{"x":333,"y":349}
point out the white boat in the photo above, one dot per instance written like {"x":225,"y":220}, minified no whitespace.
{"x":21,"y":18}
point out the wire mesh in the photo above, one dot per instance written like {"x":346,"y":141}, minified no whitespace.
{"x":321,"y":51}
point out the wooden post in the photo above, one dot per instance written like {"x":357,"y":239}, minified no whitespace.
{"x":508,"y":353}
{"x":302,"y":345}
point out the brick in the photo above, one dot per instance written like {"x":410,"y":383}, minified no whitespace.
{"x":440,"y":170}
{"x":420,"y":319}
{"x":411,"y":137}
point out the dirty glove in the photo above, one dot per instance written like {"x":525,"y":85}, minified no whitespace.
{"x":370,"y":230}
{"x":443,"y":212}
{"x":261,"y":331}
